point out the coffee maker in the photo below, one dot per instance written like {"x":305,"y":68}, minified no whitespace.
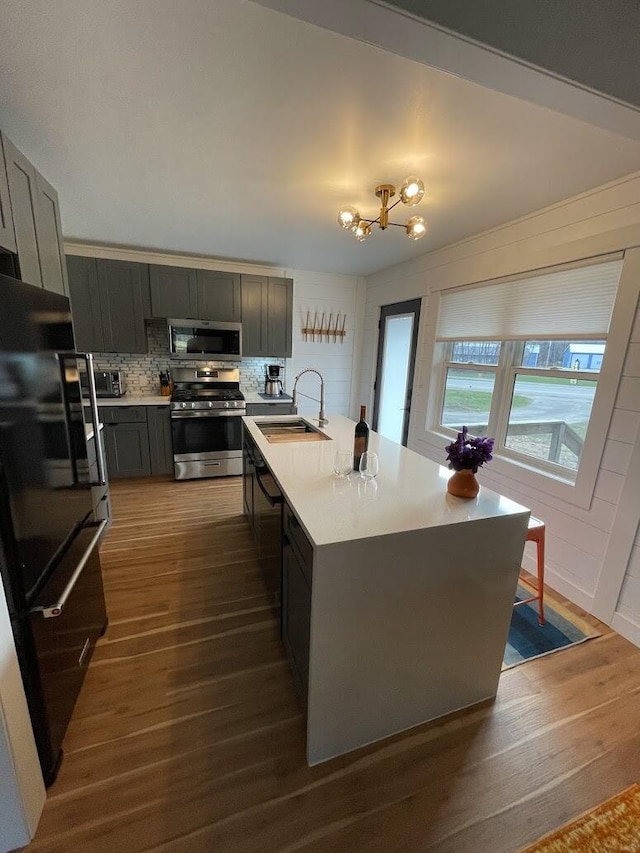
{"x":272,"y":383}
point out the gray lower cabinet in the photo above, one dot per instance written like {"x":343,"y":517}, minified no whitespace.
{"x":137,"y":440}
{"x":109,"y":301}
{"x":297,"y":563}
{"x":173,"y":292}
{"x":267,"y":408}
{"x":7,"y":234}
{"x":36,"y":222}
{"x":127,"y":449}
{"x":160,"y":449}
{"x":267,"y":316}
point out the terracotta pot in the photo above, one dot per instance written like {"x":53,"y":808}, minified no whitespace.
{"x":463,"y":484}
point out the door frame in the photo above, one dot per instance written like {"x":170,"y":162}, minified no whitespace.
{"x":410,"y":306}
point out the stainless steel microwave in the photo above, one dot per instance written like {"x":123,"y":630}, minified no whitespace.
{"x":205,"y":340}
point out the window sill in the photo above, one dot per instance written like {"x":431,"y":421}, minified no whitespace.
{"x":527,"y":475}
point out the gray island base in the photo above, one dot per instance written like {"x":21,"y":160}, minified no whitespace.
{"x":410,"y":590}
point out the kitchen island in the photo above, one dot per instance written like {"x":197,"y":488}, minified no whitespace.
{"x":397,"y":597}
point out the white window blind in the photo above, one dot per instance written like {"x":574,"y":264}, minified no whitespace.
{"x":573,"y":302}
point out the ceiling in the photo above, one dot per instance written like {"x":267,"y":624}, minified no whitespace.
{"x":222,"y":128}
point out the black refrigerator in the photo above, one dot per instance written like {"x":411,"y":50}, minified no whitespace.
{"x":49,"y":560}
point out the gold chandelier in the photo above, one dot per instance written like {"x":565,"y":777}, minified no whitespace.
{"x":411,"y":193}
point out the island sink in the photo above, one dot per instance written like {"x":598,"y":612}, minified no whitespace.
{"x":292,"y":430}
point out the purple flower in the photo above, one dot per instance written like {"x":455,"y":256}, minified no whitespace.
{"x":469,"y":453}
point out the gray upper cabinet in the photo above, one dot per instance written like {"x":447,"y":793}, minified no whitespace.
{"x":7,"y":234}
{"x":267,"y":316}
{"x":36,"y":223}
{"x":254,"y":315}
{"x":123,"y":304}
{"x":85,"y":303}
{"x":109,"y":301}
{"x":21,"y":177}
{"x":173,"y":292}
{"x":280,"y":317}
{"x":49,"y":231}
{"x":219,"y":296}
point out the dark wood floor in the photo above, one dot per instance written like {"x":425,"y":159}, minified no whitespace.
{"x":188,"y":735}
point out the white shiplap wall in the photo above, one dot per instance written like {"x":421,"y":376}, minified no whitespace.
{"x":327,"y":293}
{"x":578,"y":539}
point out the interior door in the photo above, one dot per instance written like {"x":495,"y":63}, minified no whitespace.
{"x":397,"y":345}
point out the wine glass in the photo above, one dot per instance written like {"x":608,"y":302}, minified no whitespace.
{"x":342,"y":463}
{"x":369,"y":464}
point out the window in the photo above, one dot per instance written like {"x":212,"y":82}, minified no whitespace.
{"x":520,"y":361}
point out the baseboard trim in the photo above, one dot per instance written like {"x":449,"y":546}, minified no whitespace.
{"x":626,"y":628}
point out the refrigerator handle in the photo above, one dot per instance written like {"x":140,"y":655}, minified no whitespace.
{"x":55,"y":608}
{"x":62,"y":357}
{"x":87,"y":357}
{"x":95,"y":417}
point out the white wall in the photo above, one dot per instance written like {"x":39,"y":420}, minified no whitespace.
{"x":21,"y":787}
{"x":327,"y":293}
{"x":580,"y":562}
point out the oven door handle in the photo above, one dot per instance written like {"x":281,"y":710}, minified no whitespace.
{"x":208,"y":413}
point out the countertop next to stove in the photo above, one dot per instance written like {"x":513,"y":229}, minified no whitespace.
{"x":156,"y":400}
{"x":254,"y":397}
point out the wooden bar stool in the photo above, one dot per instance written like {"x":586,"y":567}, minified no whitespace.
{"x":535,"y":533}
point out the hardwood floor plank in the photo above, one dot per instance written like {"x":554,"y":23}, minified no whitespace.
{"x":188,"y":735}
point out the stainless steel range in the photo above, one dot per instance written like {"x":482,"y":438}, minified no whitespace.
{"x":206,"y":427}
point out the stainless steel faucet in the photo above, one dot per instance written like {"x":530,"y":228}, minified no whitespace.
{"x":321,"y":418}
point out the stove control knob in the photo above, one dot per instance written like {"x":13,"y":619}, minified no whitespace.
{"x":183,"y":405}
{"x":210,"y":404}
{"x":193,"y":405}
{"x":226,"y":405}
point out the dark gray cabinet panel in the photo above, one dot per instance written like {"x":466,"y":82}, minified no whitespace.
{"x":85,"y":304}
{"x":266,"y":408}
{"x":123,"y":303}
{"x":254,"y":315}
{"x":127,"y":449}
{"x":49,"y":231}
{"x":7,"y":234}
{"x":23,"y":192}
{"x":219,"y":296}
{"x":173,"y":292}
{"x":123,"y":414}
{"x":160,"y":449}
{"x":267,"y":316}
{"x":296,"y":616}
{"x":280,"y":316}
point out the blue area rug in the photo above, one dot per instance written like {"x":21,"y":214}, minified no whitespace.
{"x":529,"y":640}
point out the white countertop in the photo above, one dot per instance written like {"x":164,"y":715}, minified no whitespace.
{"x":254,"y":397}
{"x":409,"y":493}
{"x":156,"y":400}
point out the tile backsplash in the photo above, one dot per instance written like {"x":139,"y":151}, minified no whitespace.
{"x":141,"y":371}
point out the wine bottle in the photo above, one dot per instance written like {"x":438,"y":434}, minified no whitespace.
{"x":361,"y":438}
